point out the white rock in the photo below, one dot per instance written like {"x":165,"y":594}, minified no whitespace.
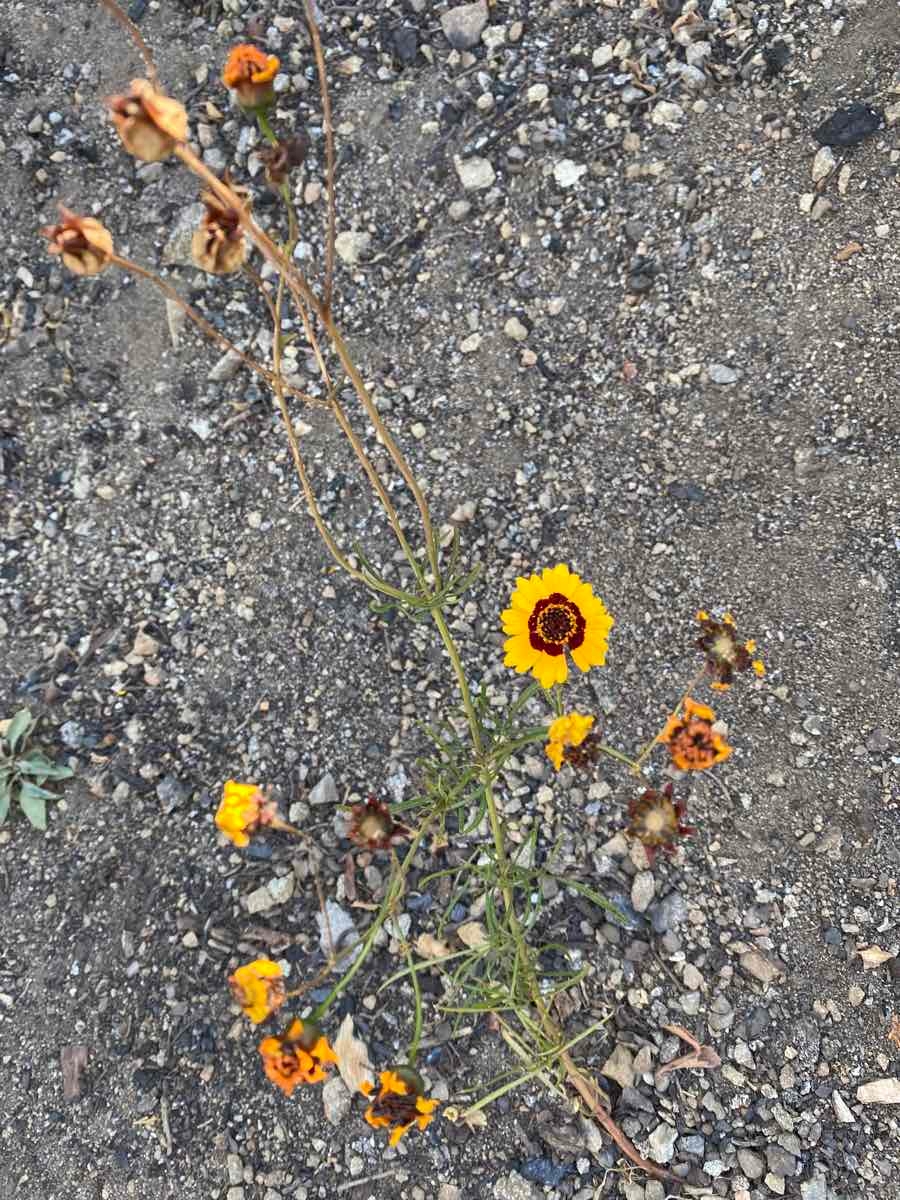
{"x":464,"y":25}
{"x":259,"y":901}
{"x":602,"y":55}
{"x":841,"y":1109}
{"x":343,"y":933}
{"x":719,"y":373}
{"x":567,"y":172}
{"x":459,"y":210}
{"x":281,"y":889}
{"x":891,"y":115}
{"x":515,"y":329}
{"x":475,"y":174}
{"x":643,"y":889}
{"x":662,"y":1143}
{"x":470,"y":344}
{"x":823,"y":164}
{"x":325,"y":791}
{"x":620,"y":1066}
{"x":351,"y":246}
{"x":538,"y":92}
{"x":879,"y":1091}
{"x":336,"y":1101}
{"x":226,"y":368}
{"x":667,"y":113}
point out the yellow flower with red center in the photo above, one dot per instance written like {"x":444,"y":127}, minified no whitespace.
{"x":657,"y":821}
{"x":693,"y":743}
{"x":258,"y":987}
{"x":725,"y":654}
{"x":85,"y":246}
{"x":243,"y":810}
{"x":249,"y":74}
{"x":302,"y":1055}
{"x":400,"y":1102}
{"x":553,"y":615}
{"x":566,"y":731}
{"x":149,"y":123}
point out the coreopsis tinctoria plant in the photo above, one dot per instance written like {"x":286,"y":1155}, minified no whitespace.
{"x":556,"y":628}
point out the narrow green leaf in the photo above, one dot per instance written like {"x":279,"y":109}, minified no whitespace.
{"x":39,"y":766}
{"x":32,"y":789}
{"x":19,"y":726}
{"x":34,"y":806}
{"x":5,"y":797}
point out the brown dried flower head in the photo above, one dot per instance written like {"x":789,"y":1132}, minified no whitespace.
{"x":219,"y":245}
{"x":149,"y":123}
{"x":725,"y":653}
{"x":657,"y":821}
{"x":282,"y":158}
{"x":373,"y":827}
{"x":85,"y":246}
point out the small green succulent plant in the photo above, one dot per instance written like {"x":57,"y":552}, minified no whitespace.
{"x":24,"y":769}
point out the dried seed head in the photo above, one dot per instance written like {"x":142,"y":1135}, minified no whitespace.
{"x":149,"y":123}
{"x":84,"y":245}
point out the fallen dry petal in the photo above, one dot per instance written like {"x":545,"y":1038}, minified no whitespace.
{"x":73,"y":1060}
{"x":700,"y":1058}
{"x":353,"y":1056}
{"x":848,"y":251}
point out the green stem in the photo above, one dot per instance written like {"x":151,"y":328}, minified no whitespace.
{"x":619,"y":757}
{"x":456,"y":662}
{"x":381,"y":916}
{"x":413,"y":1051}
{"x":645,"y":753}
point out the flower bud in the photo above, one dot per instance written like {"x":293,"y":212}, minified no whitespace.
{"x":248,"y":74}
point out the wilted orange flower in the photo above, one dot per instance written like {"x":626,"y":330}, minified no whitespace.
{"x":724,"y":653}
{"x":565,"y":736}
{"x":372,"y":826}
{"x":243,"y":810}
{"x":400,"y":1102}
{"x":249,"y":74}
{"x":692,"y":742}
{"x":258,"y":987}
{"x":149,"y":123}
{"x":219,"y":245}
{"x":657,"y":821}
{"x":302,"y":1055}
{"x":85,"y":246}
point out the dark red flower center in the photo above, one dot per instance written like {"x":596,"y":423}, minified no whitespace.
{"x":555,"y":624}
{"x":399,"y":1110}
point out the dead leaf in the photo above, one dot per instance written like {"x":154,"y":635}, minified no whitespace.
{"x":353,"y":1056}
{"x":629,"y":371}
{"x":893,"y":1034}
{"x":350,"y":878}
{"x":874,"y":956}
{"x":73,"y":1060}
{"x":848,"y":251}
{"x":431,"y":947}
{"x":700,"y":1058}
{"x":473,"y":935}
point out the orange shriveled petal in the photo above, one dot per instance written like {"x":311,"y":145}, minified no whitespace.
{"x":242,"y":811}
{"x":301,"y":1055}
{"x":258,"y":987}
{"x":249,"y":74}
{"x":399,"y":1104}
{"x":693,"y":743}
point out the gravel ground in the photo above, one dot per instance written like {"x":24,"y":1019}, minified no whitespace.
{"x":624,"y":312}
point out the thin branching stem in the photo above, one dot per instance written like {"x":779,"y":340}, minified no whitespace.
{"x":134,"y":33}
{"x":328,"y":128}
{"x":648,"y":749}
